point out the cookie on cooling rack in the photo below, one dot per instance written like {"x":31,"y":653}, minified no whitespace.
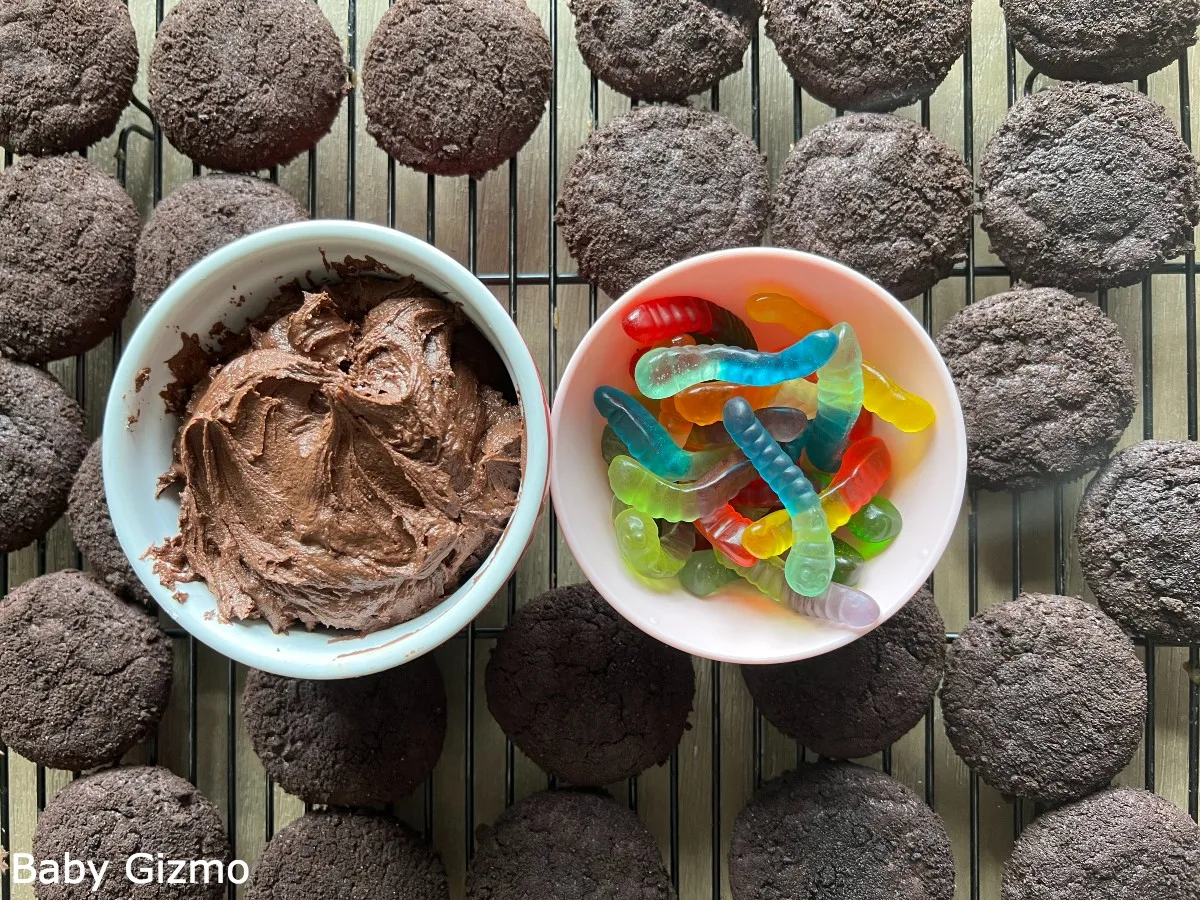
{"x":84,"y":675}
{"x":41,"y":445}
{"x":1088,"y":186}
{"x":456,"y":87}
{"x":246,"y":84}
{"x":874,"y":55}
{"x":564,"y":844}
{"x":66,"y":73}
{"x":119,"y":812}
{"x":1044,"y":697}
{"x":200,"y":216}
{"x":1099,"y":40}
{"x":67,"y":238}
{"x":1117,"y":844}
{"x":1137,"y":537}
{"x":835,"y":830}
{"x":880,"y":194}
{"x":666,"y":50}
{"x":1046,"y":384}
{"x":353,"y":742}
{"x":863,"y":697}
{"x":93,"y":533}
{"x":333,"y":854}
{"x":689,"y":179}
{"x":583,"y":693}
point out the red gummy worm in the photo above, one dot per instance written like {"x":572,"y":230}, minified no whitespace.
{"x":863,"y":426}
{"x":757,"y":494}
{"x":865,"y":466}
{"x":723,"y":529}
{"x":663,"y":318}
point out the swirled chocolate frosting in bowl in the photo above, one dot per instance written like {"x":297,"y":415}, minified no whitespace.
{"x":347,"y":467}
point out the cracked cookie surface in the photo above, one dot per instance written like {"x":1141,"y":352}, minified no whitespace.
{"x":1138,"y":534}
{"x":584,"y":694}
{"x":1044,"y":697}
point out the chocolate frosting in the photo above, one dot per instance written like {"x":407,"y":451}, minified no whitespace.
{"x":347,"y":469}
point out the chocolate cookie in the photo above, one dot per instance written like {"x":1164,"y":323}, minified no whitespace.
{"x":66,"y":73}
{"x":348,"y":743}
{"x":92,"y":530}
{"x":833,"y":831}
{"x":1044,"y":697}
{"x":1046,"y":385}
{"x":869,"y":54}
{"x":859,"y":699}
{"x":566,"y":844}
{"x":1088,"y":186}
{"x":456,"y":87}
{"x":880,"y":194}
{"x":1117,"y":844}
{"x":1138,"y":534}
{"x":689,"y":179}
{"x":84,"y":676}
{"x":67,"y":237}
{"x":329,"y":854}
{"x":41,"y":445}
{"x":1101,"y":40}
{"x":584,"y":694}
{"x":200,"y":216}
{"x":246,"y":84}
{"x":665,"y":50}
{"x":110,"y":816}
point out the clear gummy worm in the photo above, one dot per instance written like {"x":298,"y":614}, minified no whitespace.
{"x":659,"y":498}
{"x":837,"y":603}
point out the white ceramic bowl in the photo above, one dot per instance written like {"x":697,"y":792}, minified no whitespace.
{"x":929,"y":468}
{"x":136,"y":454}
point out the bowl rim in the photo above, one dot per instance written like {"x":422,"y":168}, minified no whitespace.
{"x":559,"y":490}
{"x":487,"y":581}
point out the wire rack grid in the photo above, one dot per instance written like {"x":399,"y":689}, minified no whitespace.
{"x":502,"y":229}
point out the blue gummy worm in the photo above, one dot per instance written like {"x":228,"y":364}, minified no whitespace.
{"x":647,"y":441}
{"x":776,"y":468}
{"x":666,"y":371}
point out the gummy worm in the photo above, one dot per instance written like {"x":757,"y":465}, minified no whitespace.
{"x":865,"y":466}
{"x":877,"y":522}
{"x":636,"y":485}
{"x":704,"y":403}
{"x":779,"y":309}
{"x":837,"y":603}
{"x":783,"y":422}
{"x":661,"y":373}
{"x":839,"y":399}
{"x":848,"y":562}
{"x":811,"y":562}
{"x":648,"y":441}
{"x":666,"y":317}
{"x":644,"y":551}
{"x":703,"y":574}
{"x":723,"y":529}
{"x":680,"y":340}
{"x":679,"y":428}
{"x":892,"y":403}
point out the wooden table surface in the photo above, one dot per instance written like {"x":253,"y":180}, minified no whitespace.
{"x":1003,"y":543}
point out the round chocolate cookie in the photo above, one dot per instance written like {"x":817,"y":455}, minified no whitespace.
{"x":1138,"y":534}
{"x":1117,"y":844}
{"x":689,"y":179}
{"x":323,"y":855}
{"x":108,"y":817}
{"x":859,"y":699}
{"x":84,"y":676}
{"x":666,"y":50}
{"x":200,"y":216}
{"x":869,"y":54}
{"x":92,"y":529}
{"x":66,"y":73}
{"x":246,"y":84}
{"x":353,"y":742}
{"x":1044,"y":697}
{"x":456,"y":87}
{"x":67,"y":238}
{"x":41,"y":445}
{"x":834,"y":831}
{"x":1101,"y":40}
{"x":880,"y":194}
{"x":566,"y":844}
{"x":1046,"y":385}
{"x":583,"y":693}
{"x":1088,"y":186}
